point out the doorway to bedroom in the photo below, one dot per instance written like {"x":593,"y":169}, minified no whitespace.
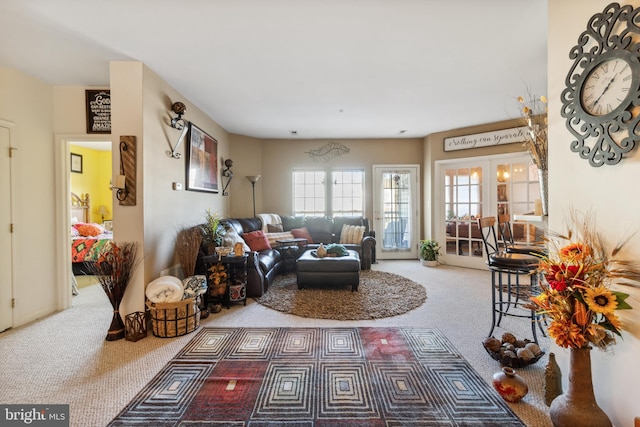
{"x":91,"y":206}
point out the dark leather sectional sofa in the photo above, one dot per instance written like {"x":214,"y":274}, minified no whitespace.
{"x":264,"y":266}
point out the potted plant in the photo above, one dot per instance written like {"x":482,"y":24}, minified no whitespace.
{"x":429,"y":252}
{"x":213,"y":232}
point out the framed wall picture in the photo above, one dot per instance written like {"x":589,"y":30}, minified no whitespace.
{"x":98,"y":106}
{"x":202,"y":161}
{"x":76,"y":163}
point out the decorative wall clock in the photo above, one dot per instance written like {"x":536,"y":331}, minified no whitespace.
{"x":601,"y":101}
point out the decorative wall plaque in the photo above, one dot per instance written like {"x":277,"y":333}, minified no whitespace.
{"x":328,"y":152}
{"x":98,"y":104}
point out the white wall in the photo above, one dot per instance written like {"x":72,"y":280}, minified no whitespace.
{"x":611,"y":192}
{"x":28,"y":103}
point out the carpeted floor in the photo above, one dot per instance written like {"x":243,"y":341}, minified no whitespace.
{"x":64,"y":358}
{"x":343,"y":376}
{"x":380,"y":294}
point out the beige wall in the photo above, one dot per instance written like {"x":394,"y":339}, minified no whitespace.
{"x":280,"y":157}
{"x":611,"y":192}
{"x":28,"y":104}
{"x":246,"y":153}
{"x":141,"y":105}
{"x":434,"y":151}
{"x":46,"y":118}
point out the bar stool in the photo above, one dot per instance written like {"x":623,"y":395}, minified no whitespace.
{"x":506,"y":237}
{"x":506,"y":270}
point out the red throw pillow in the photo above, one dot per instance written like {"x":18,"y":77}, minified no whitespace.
{"x":256,"y":240}
{"x":302,"y":233}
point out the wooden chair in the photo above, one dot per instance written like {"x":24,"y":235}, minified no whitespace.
{"x":509,"y":295}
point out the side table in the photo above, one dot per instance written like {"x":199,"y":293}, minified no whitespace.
{"x":291,"y":249}
{"x":236,"y":278}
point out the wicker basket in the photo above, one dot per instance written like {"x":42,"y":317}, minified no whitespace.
{"x":173,"y":319}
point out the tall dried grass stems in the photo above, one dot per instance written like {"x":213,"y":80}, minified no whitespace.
{"x":114,"y":267}
{"x":534,"y":116}
{"x":188,"y":244}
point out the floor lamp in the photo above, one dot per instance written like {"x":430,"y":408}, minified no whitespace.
{"x":253,"y":179}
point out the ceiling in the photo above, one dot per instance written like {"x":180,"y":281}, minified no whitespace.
{"x":321,"y":68}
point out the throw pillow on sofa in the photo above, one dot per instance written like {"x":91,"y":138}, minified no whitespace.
{"x":232,"y":237}
{"x":256,"y":240}
{"x":351,"y":234}
{"x":274,"y":228}
{"x":302,"y":233}
{"x":274,"y":237}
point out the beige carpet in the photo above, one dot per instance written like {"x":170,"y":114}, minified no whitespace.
{"x":64,"y":357}
{"x":379,"y":295}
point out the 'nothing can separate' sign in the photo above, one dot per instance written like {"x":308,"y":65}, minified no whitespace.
{"x":486,"y":139}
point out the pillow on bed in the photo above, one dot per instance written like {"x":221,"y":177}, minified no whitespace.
{"x":88,"y":230}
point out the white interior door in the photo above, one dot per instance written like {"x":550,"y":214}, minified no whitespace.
{"x":6,"y":251}
{"x":396,"y":211}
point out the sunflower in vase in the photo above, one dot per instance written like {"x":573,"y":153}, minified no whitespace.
{"x":576,"y":294}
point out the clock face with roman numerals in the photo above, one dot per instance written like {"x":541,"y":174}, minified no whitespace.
{"x":606,"y":87}
{"x":601,"y":100}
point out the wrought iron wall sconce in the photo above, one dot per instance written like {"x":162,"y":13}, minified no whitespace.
{"x":226,"y":173}
{"x":121,"y":187}
{"x":125,"y":185}
{"x":178,"y":123}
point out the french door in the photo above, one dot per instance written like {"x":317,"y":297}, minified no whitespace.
{"x":467,"y":189}
{"x":396,"y":211}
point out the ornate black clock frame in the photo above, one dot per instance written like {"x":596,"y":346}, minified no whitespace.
{"x":601,"y":101}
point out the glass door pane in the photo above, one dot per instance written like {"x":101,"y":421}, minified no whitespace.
{"x":396,"y":209}
{"x":463,"y":205}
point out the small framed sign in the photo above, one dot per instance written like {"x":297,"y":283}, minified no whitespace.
{"x":76,"y":163}
{"x":98,"y":111}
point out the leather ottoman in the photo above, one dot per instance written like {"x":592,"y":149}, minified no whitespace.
{"x":328,"y":271}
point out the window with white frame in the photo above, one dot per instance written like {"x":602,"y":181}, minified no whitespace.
{"x":347,"y":192}
{"x":313,"y":197}
{"x":309,"y":194}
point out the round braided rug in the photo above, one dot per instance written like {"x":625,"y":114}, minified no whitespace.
{"x":379,"y":294}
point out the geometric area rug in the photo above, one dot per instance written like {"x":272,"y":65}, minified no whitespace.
{"x":325,"y":377}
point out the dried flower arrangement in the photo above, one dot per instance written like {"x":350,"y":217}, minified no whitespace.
{"x":534,"y":114}
{"x":577,"y":296}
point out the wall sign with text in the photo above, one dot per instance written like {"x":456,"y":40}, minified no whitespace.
{"x":98,"y":111}
{"x":486,"y":139}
